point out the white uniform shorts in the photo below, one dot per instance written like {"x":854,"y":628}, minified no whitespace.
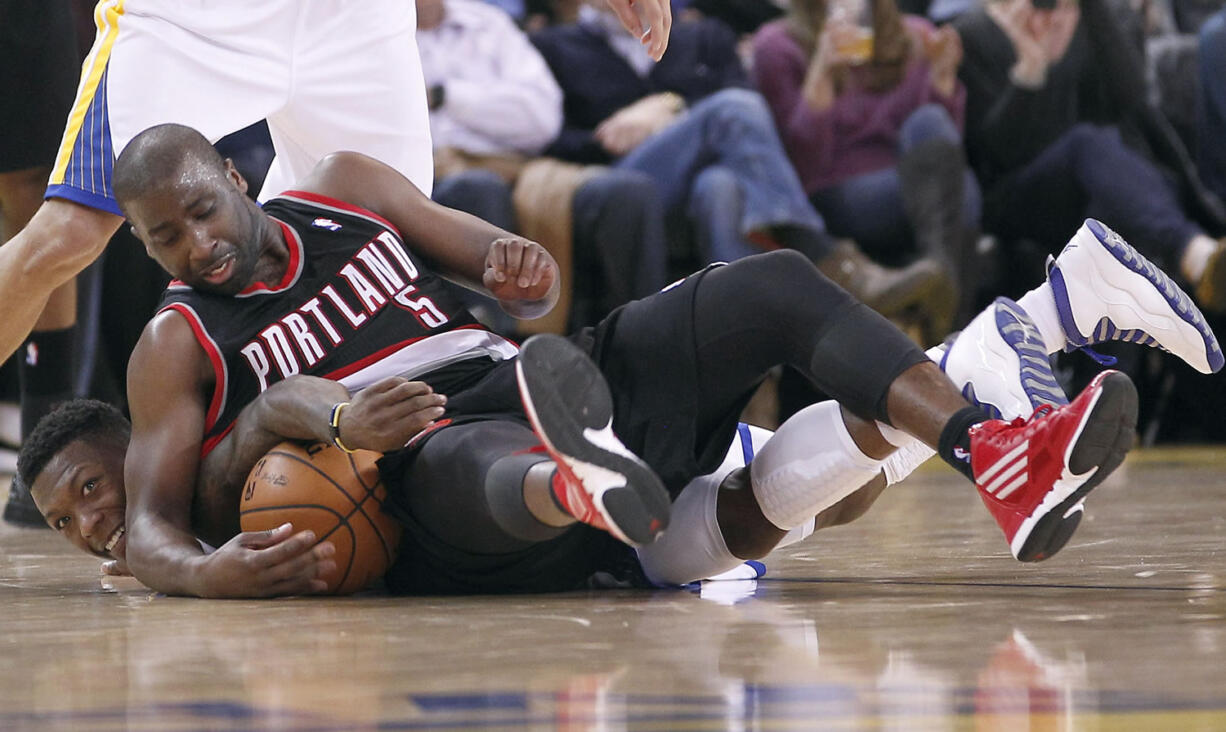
{"x":328,"y":75}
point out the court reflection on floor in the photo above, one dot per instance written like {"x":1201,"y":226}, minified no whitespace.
{"x":910,"y":619}
{"x":672,"y":658}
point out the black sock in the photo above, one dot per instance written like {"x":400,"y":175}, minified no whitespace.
{"x":954,"y":445}
{"x":45,"y":366}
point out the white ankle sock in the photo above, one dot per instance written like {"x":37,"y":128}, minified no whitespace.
{"x":810,"y":464}
{"x":1040,"y":305}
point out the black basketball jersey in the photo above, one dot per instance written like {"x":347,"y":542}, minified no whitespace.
{"x":355,"y":305}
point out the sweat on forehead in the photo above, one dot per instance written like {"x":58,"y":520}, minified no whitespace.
{"x":156,"y":157}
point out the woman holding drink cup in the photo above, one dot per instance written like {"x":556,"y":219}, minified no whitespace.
{"x":868,"y":103}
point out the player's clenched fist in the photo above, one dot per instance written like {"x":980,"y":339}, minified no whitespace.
{"x":522,"y":275}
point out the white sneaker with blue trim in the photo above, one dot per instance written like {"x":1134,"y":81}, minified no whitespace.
{"x":1000,"y":363}
{"x":1107,"y":291}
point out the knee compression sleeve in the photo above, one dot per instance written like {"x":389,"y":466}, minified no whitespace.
{"x":693,"y":548}
{"x":466,"y":486}
{"x":809,"y":465}
{"x":779,"y":309}
{"x":859,"y":357}
{"x":504,"y":491}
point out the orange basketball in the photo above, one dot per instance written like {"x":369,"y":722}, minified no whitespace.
{"x":338,"y":496}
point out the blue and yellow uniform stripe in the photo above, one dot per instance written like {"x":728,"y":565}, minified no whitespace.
{"x":82,"y":171}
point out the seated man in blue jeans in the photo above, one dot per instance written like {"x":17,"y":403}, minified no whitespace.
{"x":494,"y":105}
{"x":692,"y":123}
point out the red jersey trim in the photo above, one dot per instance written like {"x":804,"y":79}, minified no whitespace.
{"x":292,"y":242}
{"x":220,"y":379}
{"x":336,"y":203}
{"x":215,"y":440}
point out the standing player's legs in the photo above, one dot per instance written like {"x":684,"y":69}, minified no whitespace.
{"x":357,"y":85}
{"x":38,"y":71}
{"x":212,"y":68}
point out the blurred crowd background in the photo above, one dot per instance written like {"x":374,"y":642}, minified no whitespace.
{"x":928,"y":155}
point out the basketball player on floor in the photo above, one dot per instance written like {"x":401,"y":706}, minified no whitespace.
{"x":327,"y":75}
{"x":75,"y":458}
{"x":483,"y":510}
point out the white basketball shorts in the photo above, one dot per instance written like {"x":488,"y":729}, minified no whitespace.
{"x":328,"y":75}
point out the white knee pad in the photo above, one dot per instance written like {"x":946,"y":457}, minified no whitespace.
{"x":809,"y":465}
{"x":798,"y":534}
{"x":692,"y":548}
{"x":903,"y":461}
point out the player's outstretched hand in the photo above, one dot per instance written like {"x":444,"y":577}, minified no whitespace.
{"x":522,"y":275}
{"x":268,"y":564}
{"x":650,"y":21}
{"x":388,"y":413}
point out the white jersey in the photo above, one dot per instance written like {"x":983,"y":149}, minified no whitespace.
{"x":749,"y":440}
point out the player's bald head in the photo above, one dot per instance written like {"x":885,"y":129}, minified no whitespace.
{"x":158,"y":157}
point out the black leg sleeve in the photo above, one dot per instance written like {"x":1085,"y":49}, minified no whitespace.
{"x":777,"y":308}
{"x":465,"y":488}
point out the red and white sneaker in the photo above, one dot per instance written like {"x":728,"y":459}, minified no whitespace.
{"x":599,"y":481}
{"x":1034,"y":473}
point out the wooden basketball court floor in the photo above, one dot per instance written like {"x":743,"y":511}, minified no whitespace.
{"x":914,"y":617}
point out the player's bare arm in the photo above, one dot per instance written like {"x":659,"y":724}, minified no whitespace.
{"x":382,"y":417}
{"x":521,"y":274}
{"x":60,"y":241}
{"x":168,"y":379}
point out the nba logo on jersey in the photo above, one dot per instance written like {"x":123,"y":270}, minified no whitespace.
{"x":329,"y":224}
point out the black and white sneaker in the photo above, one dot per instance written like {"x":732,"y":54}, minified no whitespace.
{"x":602,"y":483}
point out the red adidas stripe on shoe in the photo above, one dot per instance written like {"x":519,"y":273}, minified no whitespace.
{"x":1033,"y":474}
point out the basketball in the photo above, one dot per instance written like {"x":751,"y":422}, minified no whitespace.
{"x":337,"y":495}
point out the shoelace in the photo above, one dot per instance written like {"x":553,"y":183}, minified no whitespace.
{"x":1102,"y":358}
{"x":1039,"y":413}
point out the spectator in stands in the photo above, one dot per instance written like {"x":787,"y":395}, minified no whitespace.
{"x":1211,"y":109}
{"x":744,"y":17}
{"x":1052,"y":95}
{"x":494,"y":105}
{"x":692,"y":123}
{"x":1184,"y":55}
{"x":38,"y":70}
{"x":875,"y":131}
